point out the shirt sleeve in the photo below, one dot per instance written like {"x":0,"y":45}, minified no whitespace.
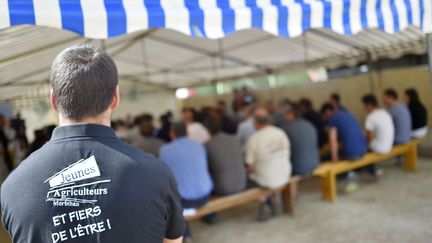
{"x":250,"y":151}
{"x":332,"y":122}
{"x":369,"y":123}
{"x":175,"y":226}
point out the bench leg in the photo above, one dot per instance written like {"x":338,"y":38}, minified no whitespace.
{"x":410,"y":162}
{"x":288,"y":199}
{"x":328,"y":187}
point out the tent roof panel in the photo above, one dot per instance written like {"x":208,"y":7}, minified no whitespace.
{"x":173,"y":60}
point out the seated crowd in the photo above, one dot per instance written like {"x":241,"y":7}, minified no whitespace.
{"x":214,"y":153}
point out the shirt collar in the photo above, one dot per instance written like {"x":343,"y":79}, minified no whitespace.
{"x":83,"y":130}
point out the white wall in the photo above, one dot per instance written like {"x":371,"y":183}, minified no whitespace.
{"x":155,"y":103}
{"x":35,"y":120}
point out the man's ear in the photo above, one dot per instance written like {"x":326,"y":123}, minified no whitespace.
{"x":53,"y":101}
{"x":116,"y":100}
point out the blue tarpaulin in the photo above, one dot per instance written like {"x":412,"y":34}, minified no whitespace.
{"x":101,"y":19}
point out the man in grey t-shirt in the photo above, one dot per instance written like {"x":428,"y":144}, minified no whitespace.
{"x":401,"y":117}
{"x":304,"y":141}
{"x":225,"y":161}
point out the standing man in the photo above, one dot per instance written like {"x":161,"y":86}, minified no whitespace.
{"x":379,"y":130}
{"x":268,"y":160}
{"x":85,"y":185}
{"x":401,"y":117}
{"x":344,"y":129}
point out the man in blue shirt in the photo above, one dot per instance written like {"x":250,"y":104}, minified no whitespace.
{"x":344,"y":129}
{"x":188,"y":162}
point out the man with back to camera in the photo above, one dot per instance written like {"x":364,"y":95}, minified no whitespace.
{"x":85,"y":185}
{"x":303,"y":138}
{"x":400,"y":115}
{"x":145,"y":138}
{"x":225,"y":160}
{"x":344,"y":129}
{"x":379,"y":131}
{"x":188,"y":161}
{"x":268,"y":161}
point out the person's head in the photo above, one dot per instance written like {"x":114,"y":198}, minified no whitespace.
{"x":327,"y":110}
{"x":216,"y":113}
{"x":247,"y":111}
{"x":188,"y":115}
{"x":370,"y":102}
{"x":84,"y":85}
{"x":145,"y":125}
{"x":261,"y":118}
{"x":390,"y":97}
{"x":411,"y":96}
{"x":292,"y":112}
{"x":305,"y":105}
{"x":270,"y":106}
{"x":335,"y":100}
{"x":221,"y":104}
{"x":213,"y":126}
{"x":178,"y":130}
{"x":163,"y":119}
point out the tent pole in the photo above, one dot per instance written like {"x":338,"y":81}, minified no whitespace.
{"x":429,"y":43}
{"x":370,"y":65}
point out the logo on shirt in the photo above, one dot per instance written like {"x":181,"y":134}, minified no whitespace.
{"x":67,"y":189}
{"x":79,"y":186}
{"x":81,"y":170}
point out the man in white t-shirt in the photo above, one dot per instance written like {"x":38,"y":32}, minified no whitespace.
{"x":268,"y":161}
{"x":380,"y":129}
{"x":196,"y":131}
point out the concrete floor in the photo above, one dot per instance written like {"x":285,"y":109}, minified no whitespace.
{"x":398,"y":210}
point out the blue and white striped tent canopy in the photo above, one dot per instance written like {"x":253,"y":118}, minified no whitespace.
{"x":155,"y":44}
{"x":101,"y":19}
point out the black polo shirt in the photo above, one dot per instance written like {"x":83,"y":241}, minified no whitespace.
{"x":85,"y":185}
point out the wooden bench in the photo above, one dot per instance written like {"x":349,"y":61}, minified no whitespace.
{"x":221,"y":203}
{"x":329,"y":170}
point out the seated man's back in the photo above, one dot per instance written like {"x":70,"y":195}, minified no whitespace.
{"x":188,"y":162}
{"x":402,"y":123}
{"x":380,"y":123}
{"x":349,"y":134}
{"x":149,"y":145}
{"x":268,"y":152}
{"x":401,"y":117}
{"x":304,"y":142}
{"x":226,"y":164}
